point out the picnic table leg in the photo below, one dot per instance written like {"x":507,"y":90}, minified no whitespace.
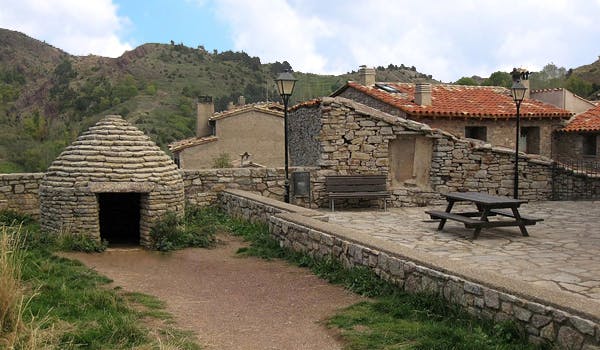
{"x":484,"y":215}
{"x":442,"y":220}
{"x":520,"y":221}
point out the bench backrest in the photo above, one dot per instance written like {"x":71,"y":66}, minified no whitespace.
{"x":356,"y":183}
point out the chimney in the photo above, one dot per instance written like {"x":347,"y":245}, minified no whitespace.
{"x":230,"y":105}
{"x":522,"y":75}
{"x":366,"y":76}
{"x":423,"y":94}
{"x":205,"y":110}
{"x":241,"y":101}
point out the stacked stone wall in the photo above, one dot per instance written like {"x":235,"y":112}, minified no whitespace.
{"x":355,"y":139}
{"x":544,"y":316}
{"x":202,"y":186}
{"x":19,"y":192}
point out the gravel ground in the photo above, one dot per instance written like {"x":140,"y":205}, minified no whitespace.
{"x":231,"y":302}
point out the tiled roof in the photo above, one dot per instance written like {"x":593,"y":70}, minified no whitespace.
{"x":273,"y":108}
{"x":586,"y":121}
{"x":459,"y":101}
{"x":189,"y":142}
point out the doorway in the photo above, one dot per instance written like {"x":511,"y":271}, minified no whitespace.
{"x":119,"y":218}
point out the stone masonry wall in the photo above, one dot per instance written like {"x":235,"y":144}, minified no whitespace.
{"x":496,"y":298}
{"x":202,"y":186}
{"x":19,"y":192}
{"x":354,"y":139}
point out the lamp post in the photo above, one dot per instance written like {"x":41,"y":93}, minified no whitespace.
{"x":285,"y":85}
{"x":518,"y":92}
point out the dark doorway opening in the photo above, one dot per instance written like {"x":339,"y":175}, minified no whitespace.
{"x":120,"y":218}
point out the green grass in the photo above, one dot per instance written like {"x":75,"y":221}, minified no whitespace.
{"x":80,"y":308}
{"x":392,"y":319}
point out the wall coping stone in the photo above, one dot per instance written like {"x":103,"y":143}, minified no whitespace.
{"x":559,"y":300}
{"x":282,"y":206}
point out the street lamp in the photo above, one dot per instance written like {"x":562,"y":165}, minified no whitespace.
{"x":518,"y":92}
{"x":285,"y":85}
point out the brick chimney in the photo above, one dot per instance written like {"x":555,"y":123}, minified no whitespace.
{"x":205,"y":110}
{"x":241,"y":101}
{"x":366,"y":76}
{"x":423,"y":94}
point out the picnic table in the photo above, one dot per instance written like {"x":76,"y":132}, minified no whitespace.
{"x":487,"y":206}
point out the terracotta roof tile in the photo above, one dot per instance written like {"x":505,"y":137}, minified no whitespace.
{"x":265,"y":107}
{"x":482,"y":102}
{"x":585,"y":122}
{"x":189,"y":142}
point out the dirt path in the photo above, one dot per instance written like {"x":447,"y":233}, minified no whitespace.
{"x":230,"y":302}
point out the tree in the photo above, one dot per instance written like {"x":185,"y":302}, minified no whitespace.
{"x":579,"y":86}
{"x":466,"y":81}
{"x":499,"y":79}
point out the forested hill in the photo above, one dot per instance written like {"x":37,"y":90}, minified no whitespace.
{"x":47,"y":97}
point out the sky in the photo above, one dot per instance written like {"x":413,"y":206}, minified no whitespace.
{"x":448,"y":39}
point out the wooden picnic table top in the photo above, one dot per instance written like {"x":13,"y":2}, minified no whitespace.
{"x":483,"y":198}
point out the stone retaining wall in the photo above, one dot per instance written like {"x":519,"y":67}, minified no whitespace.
{"x":20,"y":192}
{"x":571,"y":323}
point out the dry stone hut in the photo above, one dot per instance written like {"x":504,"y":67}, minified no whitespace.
{"x":112,"y":183}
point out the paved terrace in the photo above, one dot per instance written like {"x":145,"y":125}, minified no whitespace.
{"x":561,"y":253}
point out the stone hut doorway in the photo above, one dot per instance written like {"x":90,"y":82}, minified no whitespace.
{"x":119,"y":217}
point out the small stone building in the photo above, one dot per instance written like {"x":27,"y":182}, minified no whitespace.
{"x":246,"y":133}
{"x":112,"y":183}
{"x":578,"y":140}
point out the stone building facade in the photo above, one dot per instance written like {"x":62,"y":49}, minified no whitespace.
{"x":420,"y":162}
{"x":253,"y":129}
{"x":579,"y":140}
{"x":112,"y":183}
{"x":486,"y":113}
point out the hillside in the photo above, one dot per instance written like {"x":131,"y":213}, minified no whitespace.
{"x":47,"y":97}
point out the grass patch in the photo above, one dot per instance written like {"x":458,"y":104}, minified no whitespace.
{"x":76,"y":307}
{"x":197,"y":228}
{"x":392,"y":319}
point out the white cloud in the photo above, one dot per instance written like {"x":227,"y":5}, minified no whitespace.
{"x":448,"y":39}
{"x":78,"y":27}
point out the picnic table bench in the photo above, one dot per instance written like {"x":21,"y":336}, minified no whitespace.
{"x":487,"y":206}
{"x":356,"y":186}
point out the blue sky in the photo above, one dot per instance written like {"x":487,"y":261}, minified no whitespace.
{"x":447,"y":39}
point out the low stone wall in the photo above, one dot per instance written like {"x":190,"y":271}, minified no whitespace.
{"x":20,"y":192}
{"x":202,"y":186}
{"x":570,"y":322}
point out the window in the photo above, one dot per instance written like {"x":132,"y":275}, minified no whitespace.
{"x":530,"y":140}
{"x":476,"y":132}
{"x":589,"y":145}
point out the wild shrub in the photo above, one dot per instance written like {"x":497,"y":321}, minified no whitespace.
{"x":223,"y":160}
{"x":197,"y":228}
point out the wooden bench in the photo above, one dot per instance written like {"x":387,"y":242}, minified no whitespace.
{"x":356,"y":186}
{"x":465,"y":219}
{"x":508,"y":213}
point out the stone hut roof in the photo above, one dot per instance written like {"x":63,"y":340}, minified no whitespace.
{"x":110,"y":151}
{"x":112,"y":156}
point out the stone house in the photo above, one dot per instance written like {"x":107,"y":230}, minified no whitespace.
{"x":579,"y":139}
{"x":485,"y":113}
{"x":249,"y":134}
{"x":112,"y":183}
{"x":341,"y":136}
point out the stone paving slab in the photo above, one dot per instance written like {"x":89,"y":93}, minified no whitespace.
{"x":561,"y":253}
